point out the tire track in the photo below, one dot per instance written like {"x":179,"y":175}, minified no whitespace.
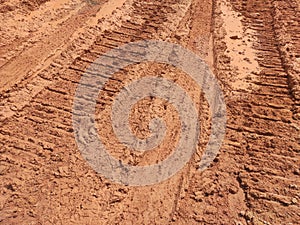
{"x":45,"y":115}
{"x":255,"y":179}
{"x":262,"y":117}
{"x":18,"y":69}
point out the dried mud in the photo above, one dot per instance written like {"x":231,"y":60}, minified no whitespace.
{"x":252,"y":47}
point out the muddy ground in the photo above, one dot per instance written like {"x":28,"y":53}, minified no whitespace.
{"x":251,"y":46}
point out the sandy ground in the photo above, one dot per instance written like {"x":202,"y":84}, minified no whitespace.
{"x":251,"y":46}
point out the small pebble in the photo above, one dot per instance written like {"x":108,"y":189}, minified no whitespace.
{"x":294,"y":201}
{"x":14,"y":108}
{"x":242,"y":213}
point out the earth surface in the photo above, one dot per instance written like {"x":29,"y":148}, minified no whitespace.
{"x":251,"y":46}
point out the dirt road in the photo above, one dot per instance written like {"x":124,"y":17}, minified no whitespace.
{"x":251,"y":46}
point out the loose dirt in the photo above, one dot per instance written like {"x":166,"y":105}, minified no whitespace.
{"x":252,"y":47}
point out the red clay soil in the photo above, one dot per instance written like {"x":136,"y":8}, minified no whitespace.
{"x":252,"y":47}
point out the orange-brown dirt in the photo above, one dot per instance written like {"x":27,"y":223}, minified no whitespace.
{"x":252,"y":47}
